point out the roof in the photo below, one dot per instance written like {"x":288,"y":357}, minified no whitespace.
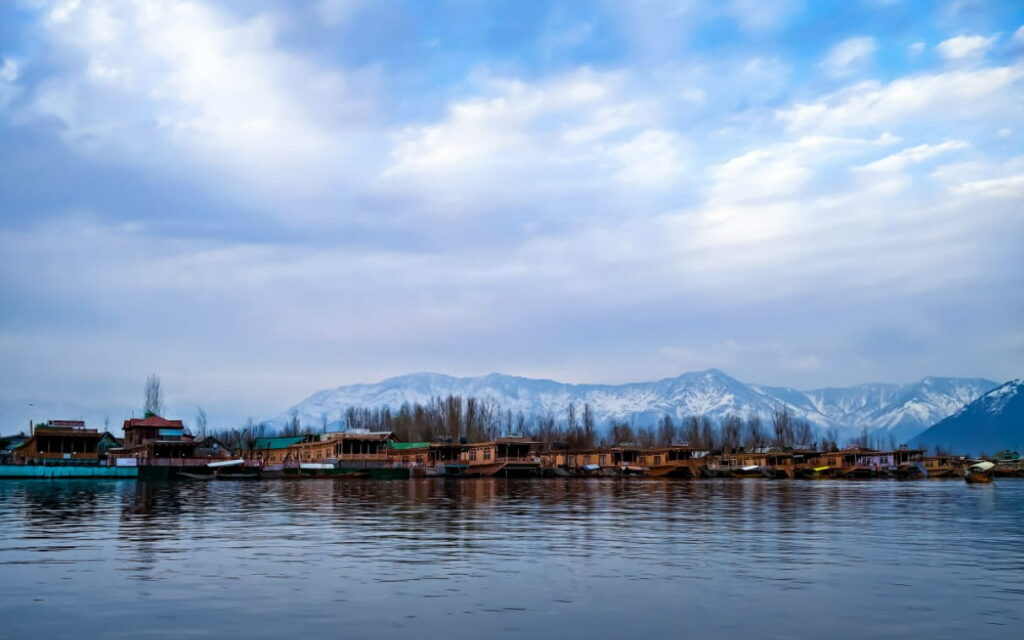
{"x":408,"y":445}
{"x":359,"y":435}
{"x":281,"y":442}
{"x":153,"y":421}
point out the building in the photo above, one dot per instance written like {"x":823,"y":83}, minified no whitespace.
{"x":66,"y":441}
{"x":154,"y":437}
{"x":512,"y":455}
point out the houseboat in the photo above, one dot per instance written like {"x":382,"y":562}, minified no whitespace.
{"x":503,"y":456}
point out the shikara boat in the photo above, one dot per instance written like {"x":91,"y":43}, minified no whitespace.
{"x":980,"y":473}
{"x":752,"y":471}
{"x":815,"y":473}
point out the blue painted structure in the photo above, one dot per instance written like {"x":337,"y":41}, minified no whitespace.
{"x":65,"y":471}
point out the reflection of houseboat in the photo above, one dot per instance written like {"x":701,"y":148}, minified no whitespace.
{"x":980,"y":473}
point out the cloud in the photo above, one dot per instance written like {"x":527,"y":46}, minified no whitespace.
{"x":967,"y":94}
{"x":844,"y":57}
{"x":179,"y":86}
{"x":9,"y":72}
{"x":573,"y":132}
{"x":911,"y":155}
{"x":755,"y":15}
{"x":784,"y":169}
{"x":1011,"y":187}
{"x":960,"y":47}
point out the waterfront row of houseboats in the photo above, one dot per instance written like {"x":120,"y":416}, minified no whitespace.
{"x":160,"y":448}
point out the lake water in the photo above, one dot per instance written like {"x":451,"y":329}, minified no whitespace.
{"x":511,"y":558}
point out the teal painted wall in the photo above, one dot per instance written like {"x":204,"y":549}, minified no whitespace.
{"x":69,"y":471}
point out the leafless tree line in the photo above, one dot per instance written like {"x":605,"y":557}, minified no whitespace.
{"x":471,"y":419}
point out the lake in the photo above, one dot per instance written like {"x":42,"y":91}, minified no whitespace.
{"x":485,"y":558}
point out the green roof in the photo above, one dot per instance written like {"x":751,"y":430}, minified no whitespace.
{"x":408,"y":445}
{"x":277,"y":443}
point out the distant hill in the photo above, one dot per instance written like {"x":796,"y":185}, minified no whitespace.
{"x":902,"y":410}
{"x":993,"y":422}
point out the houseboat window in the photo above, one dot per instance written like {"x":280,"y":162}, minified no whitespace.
{"x":487,"y":454}
{"x":603,"y":460}
{"x":657,"y":460}
{"x":472,"y":454}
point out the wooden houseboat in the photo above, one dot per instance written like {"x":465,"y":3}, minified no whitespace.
{"x":63,"y":442}
{"x":504,"y":456}
{"x":679,"y":461}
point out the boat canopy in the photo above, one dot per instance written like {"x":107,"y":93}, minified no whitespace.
{"x":752,"y":467}
{"x":591,"y":467}
{"x":820,"y":469}
{"x":315,"y":465}
{"x":225,"y":463}
{"x":982,"y":466}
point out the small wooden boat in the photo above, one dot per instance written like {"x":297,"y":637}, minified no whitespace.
{"x":980,"y":473}
{"x":752,"y":471}
{"x":815,"y":473}
{"x":238,"y":476}
{"x":196,"y":476}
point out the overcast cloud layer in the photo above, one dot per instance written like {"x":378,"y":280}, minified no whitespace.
{"x":261,"y":199}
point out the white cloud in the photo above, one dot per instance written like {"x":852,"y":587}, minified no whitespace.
{"x":8,"y":70}
{"x":912,"y":155}
{"x":176,"y":84}
{"x":758,"y":15}
{"x":844,"y":57}
{"x":573,"y":132}
{"x":961,"y":47}
{"x":973,"y":94}
{"x":783,"y":170}
{"x":1018,"y":35}
{"x":653,"y":158}
{"x":1011,"y":187}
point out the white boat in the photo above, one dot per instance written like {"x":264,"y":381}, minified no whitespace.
{"x":980,"y":473}
{"x":225,"y":463}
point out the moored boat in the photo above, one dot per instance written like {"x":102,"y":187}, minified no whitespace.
{"x":980,"y":473}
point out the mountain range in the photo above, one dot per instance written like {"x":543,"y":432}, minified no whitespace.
{"x":898,"y":410}
{"x":993,"y":422}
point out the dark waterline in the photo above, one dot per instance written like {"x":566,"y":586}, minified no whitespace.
{"x":495,"y":558}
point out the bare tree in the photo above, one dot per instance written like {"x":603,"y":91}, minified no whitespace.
{"x":154,"y":403}
{"x":732,"y":430}
{"x":803,"y":434}
{"x":755,"y":437}
{"x":293,"y":427}
{"x":201,"y":421}
{"x":666,"y":430}
{"x":589,"y":432}
{"x":782,"y":425}
{"x":707,"y":434}
{"x":646,"y":436}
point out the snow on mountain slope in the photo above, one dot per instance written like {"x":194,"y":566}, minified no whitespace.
{"x":903,"y":410}
{"x":990,"y":423}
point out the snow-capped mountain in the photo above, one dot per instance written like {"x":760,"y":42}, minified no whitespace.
{"x":903,"y":410}
{"x":993,"y":422}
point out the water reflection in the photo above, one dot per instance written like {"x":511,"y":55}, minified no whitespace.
{"x":573,"y":558}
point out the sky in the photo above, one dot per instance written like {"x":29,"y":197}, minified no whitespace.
{"x":257,"y":199}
